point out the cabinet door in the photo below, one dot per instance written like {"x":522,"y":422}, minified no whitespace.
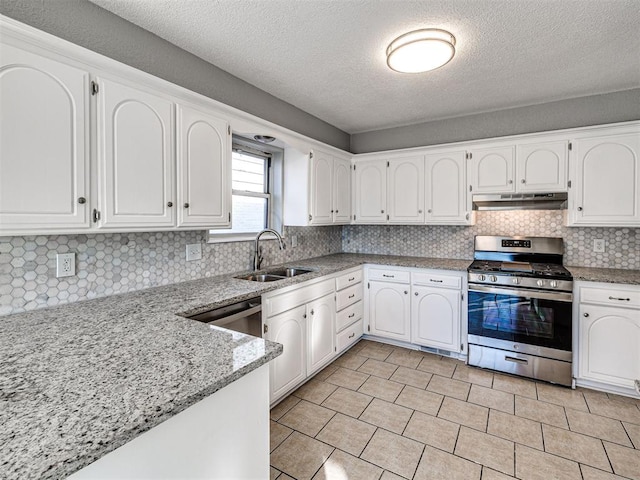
{"x":136,"y":156}
{"x":321,"y":332}
{"x":491,"y":170}
{"x":370,"y":192}
{"x":43,"y":143}
{"x":435,"y":314}
{"x":288,"y":369}
{"x":607,"y":180}
{"x":542,"y":167}
{"x":609,"y":345}
{"x":405,"y":199}
{"x":445,"y":188}
{"x":389,"y":310}
{"x":321,"y":179}
{"x":341,"y":191}
{"x":204,"y":157}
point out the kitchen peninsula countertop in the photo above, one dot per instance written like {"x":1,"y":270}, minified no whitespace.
{"x":79,"y":380}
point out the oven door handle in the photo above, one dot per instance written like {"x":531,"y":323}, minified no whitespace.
{"x":521,"y":292}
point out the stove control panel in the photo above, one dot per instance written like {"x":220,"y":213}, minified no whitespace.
{"x":516,"y":243}
{"x":517,"y":282}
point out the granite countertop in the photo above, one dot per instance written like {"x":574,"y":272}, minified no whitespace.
{"x":605,"y":275}
{"x":79,"y":380}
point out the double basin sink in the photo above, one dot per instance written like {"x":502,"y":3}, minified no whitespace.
{"x":275,"y":274}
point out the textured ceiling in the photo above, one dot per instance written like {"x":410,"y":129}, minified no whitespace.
{"x":327,"y":56}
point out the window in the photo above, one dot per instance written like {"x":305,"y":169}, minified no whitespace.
{"x":256,"y":172}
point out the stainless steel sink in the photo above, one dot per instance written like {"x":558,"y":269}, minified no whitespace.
{"x":289,"y":272}
{"x":275,"y":274}
{"x":261,"y":277}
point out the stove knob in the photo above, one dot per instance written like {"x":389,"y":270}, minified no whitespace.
{"x":481,"y":278}
{"x":553,"y":284}
{"x":493,"y":278}
{"x":540,"y":283}
{"x":515,"y":280}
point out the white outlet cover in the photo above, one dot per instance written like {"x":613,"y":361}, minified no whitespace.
{"x":65,"y":264}
{"x":194,"y":252}
{"x":598,"y":245}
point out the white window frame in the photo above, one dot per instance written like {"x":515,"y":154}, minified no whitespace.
{"x":274,"y":193}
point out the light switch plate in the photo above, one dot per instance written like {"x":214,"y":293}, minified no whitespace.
{"x":598,"y":245}
{"x":194,"y":252}
{"x":294,"y":241}
{"x":65,"y":264}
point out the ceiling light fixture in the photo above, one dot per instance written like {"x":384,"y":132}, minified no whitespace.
{"x":421,"y":50}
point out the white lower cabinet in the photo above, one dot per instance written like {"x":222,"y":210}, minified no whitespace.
{"x":321,"y":332}
{"x":435,"y":318}
{"x":289,"y":369}
{"x":389,"y":310}
{"x":609,"y":337}
{"x":302,"y":319}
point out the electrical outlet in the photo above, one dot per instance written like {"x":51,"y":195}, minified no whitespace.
{"x":598,"y":245}
{"x":65,"y":264}
{"x":194,"y":252}
{"x":294,"y":241}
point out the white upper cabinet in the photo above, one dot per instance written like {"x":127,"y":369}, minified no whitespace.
{"x":370,"y":186}
{"x":203,"y":169}
{"x":405,"y":200}
{"x":44,"y":159}
{"x":606,"y":179}
{"x":445,"y":189}
{"x":321,"y":179}
{"x":341,"y":191}
{"x":135,"y":151}
{"x":542,"y":167}
{"x":491,"y":170}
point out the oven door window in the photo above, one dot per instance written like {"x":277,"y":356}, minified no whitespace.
{"x":521,"y":318}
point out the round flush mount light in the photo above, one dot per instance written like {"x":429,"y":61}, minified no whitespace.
{"x":264,"y":138}
{"x":421,"y":50}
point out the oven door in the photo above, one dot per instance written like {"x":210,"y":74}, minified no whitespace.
{"x":516,"y":315}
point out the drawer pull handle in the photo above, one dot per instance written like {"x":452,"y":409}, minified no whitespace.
{"x":352,"y":315}
{"x":352,"y":335}
{"x":435,"y":281}
{"x":352,"y":295}
{"x":620,"y":298}
{"x":388,"y":276}
{"x":351,"y":279}
{"x":516,"y":360}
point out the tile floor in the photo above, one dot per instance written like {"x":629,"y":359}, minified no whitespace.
{"x":384,"y":412}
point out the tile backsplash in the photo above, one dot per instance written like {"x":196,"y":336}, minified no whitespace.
{"x":122,"y":262}
{"x":622,"y":244}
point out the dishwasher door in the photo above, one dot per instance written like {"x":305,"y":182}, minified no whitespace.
{"x":243,"y":317}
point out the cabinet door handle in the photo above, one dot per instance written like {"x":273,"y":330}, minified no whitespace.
{"x":381,"y":211}
{"x":429,"y":211}
{"x":620,"y":298}
{"x":82,"y":200}
{"x":523,"y":181}
{"x":585,"y":315}
{"x":304,"y":316}
{"x":169,"y":204}
{"x":336,"y":211}
{"x":510,"y":182}
{"x":266,"y":328}
{"x":579,"y":209}
{"x":406,"y":292}
{"x":415,"y":293}
{"x":186,"y":205}
{"x":312,"y":312}
{"x":419,"y":211}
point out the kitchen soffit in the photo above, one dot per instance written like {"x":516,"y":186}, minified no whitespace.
{"x":327,"y":57}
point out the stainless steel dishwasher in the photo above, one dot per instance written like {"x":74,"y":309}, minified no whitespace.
{"x":244,"y":317}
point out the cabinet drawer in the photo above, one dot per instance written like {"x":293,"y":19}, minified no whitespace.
{"x":349,"y":336}
{"x":343,"y":281}
{"x":437,"y":280}
{"x":617,"y":297}
{"x":348,"y":296}
{"x":349,"y":315}
{"x":386,"y":275}
{"x":286,"y":301}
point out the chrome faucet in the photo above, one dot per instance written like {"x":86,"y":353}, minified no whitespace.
{"x":257,"y":256}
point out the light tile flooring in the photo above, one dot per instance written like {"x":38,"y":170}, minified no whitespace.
{"x":384,"y":412}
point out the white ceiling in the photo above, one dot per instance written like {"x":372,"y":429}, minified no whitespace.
{"x":327,"y":56}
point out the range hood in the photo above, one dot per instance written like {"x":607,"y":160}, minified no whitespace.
{"x":521,"y":201}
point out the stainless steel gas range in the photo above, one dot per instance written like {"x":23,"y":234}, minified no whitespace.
{"x":520,"y":307}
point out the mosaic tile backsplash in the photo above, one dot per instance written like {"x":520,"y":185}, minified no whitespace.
{"x":622,"y":245}
{"x":117,"y":263}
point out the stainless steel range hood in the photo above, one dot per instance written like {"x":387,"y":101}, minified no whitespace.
{"x":521,"y":201}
